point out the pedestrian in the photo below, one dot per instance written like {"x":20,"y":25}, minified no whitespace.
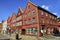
{"x":42,"y":31}
{"x":17,"y":36}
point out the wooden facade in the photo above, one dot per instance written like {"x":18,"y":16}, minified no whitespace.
{"x":36,"y":17}
{"x":33,"y":18}
{"x":0,"y":27}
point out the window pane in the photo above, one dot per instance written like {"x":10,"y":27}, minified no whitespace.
{"x":29,"y":14}
{"x":28,"y":7}
{"x":41,"y":12}
{"x":33,"y":20}
{"x":33,"y":11}
{"x":46,"y":14}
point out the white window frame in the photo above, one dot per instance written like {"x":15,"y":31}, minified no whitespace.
{"x":46,"y":14}
{"x":42,"y":13}
{"x":33,"y":11}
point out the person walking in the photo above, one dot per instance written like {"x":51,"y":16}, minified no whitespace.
{"x":17,"y":36}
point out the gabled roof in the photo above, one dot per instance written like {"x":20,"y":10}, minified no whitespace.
{"x":9,"y":18}
{"x":21,"y":10}
{"x":42,"y":8}
{"x":14,"y":14}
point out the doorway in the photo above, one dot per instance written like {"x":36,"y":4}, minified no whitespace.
{"x":43,"y":30}
{"x":23,"y":32}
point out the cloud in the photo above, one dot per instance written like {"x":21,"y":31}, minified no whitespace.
{"x":55,"y":13}
{"x":45,"y":7}
{"x":0,"y":22}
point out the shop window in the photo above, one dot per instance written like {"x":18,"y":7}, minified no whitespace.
{"x":31,"y":31}
{"x":35,"y":31}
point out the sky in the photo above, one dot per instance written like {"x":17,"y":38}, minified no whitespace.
{"x":8,"y":7}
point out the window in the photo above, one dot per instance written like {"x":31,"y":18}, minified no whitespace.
{"x":50,"y":22}
{"x":19,"y":18}
{"x":31,"y":31}
{"x":56,"y":23}
{"x":28,"y":7}
{"x":28,"y":21}
{"x":13,"y":20}
{"x":41,"y":20}
{"x":27,"y":32}
{"x":35,"y":31}
{"x":47,"y":21}
{"x":46,"y":14}
{"x":29,"y":14}
{"x":13,"y":24}
{"x":41,"y":12}
{"x":34,"y":20}
{"x":25,"y":15}
{"x":53,"y":17}
{"x":19,"y":23}
{"x":33,"y":11}
{"x":50,"y":16}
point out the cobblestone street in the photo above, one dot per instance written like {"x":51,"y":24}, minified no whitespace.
{"x":24,"y":37}
{"x":5,"y":37}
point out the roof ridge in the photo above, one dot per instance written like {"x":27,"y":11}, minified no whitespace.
{"x":33,"y":3}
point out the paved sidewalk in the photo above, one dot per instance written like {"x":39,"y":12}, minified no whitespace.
{"x":8,"y":36}
{"x":25,"y":37}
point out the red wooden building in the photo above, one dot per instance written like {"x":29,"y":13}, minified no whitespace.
{"x":33,"y":20}
{"x":13,"y":21}
{"x":36,"y":18}
{"x":58,"y":25}
{"x":8,"y":22}
{"x":19,"y":20}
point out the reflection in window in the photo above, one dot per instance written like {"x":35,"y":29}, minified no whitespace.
{"x":31,"y":31}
